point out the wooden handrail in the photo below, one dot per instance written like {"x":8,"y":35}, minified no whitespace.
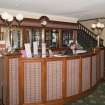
{"x":83,"y":27}
{"x":89,"y":33}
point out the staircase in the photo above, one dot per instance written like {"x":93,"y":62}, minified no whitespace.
{"x":86,"y":38}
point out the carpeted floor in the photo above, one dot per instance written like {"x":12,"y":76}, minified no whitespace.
{"x":96,"y":98}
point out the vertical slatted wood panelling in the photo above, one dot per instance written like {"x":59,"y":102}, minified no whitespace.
{"x":73,"y":77}
{"x":1,"y":75}
{"x":98,"y":66}
{"x":102,"y":63}
{"x":86,"y":65}
{"x":54,"y":80}
{"x":94,"y":70}
{"x":32,"y":82}
{"x":13,"y":82}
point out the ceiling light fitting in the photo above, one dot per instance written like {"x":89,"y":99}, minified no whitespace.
{"x":9,"y":18}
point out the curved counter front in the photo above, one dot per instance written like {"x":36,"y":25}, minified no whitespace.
{"x":52,"y":80}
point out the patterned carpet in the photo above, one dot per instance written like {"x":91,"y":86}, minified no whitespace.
{"x":96,"y":98}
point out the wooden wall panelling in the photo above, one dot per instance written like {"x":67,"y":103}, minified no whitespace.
{"x":13,"y":81}
{"x":91,"y":72}
{"x":86,"y":68}
{"x":102,"y":63}
{"x":6,"y":82}
{"x":32,"y":82}
{"x":43,"y":81}
{"x":54,"y":80}
{"x":64,"y":78}
{"x":27,"y":22}
{"x":11,"y":89}
{"x":98,"y":65}
{"x":94,"y":70}
{"x":64,"y":25}
{"x":1,"y":76}
{"x":50,"y":80}
{"x":21,"y":81}
{"x":80,"y":75}
{"x":73,"y":77}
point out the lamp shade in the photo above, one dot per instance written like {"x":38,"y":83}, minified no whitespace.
{"x":93,"y":26}
{"x":19,"y":17}
{"x":102,"y":26}
{"x":10,"y":18}
{"x":5,"y":15}
{"x":98,"y":25}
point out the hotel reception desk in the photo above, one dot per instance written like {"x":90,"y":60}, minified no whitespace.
{"x":50,"y":80}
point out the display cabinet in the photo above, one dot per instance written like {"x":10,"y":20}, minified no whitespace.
{"x":35,"y":34}
{"x":56,"y":34}
{"x":59,"y":38}
{"x":53,"y":37}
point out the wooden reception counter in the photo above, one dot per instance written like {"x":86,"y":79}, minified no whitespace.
{"x":50,"y":80}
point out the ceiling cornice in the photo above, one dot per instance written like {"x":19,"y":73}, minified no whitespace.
{"x":38,"y":15}
{"x":91,"y":19}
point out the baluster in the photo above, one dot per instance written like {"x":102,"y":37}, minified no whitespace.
{"x":86,"y":37}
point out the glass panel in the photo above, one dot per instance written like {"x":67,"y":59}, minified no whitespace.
{"x":67,"y":38}
{"x":36,"y":36}
{"x":51,"y":38}
{"x":33,"y":34}
{"x":12,"y":37}
{"x":48,"y":38}
{"x":15,"y":38}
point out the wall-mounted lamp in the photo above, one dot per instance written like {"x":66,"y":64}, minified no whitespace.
{"x":98,"y":28}
{"x":98,"y":25}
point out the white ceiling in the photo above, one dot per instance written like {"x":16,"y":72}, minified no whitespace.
{"x":81,"y":9}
